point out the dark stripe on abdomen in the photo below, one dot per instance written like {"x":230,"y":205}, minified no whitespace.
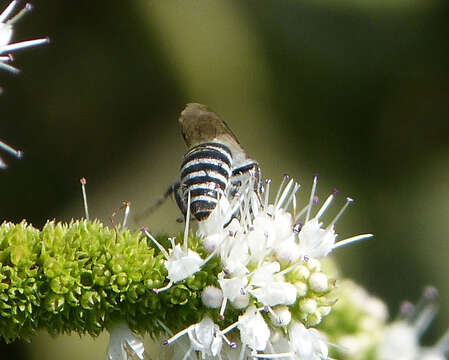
{"x":205,"y":179}
{"x":201,"y":209}
{"x":200,"y":153}
{"x":206,"y":167}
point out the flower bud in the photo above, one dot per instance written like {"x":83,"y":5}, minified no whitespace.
{"x":318,"y":282}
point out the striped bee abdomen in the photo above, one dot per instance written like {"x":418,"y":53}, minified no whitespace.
{"x":205,"y":173}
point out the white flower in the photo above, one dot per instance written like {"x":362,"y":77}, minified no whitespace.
{"x":314,"y":241}
{"x":281,"y":316}
{"x":401,"y":338}
{"x":302,"y":344}
{"x":254,"y":332}
{"x":400,"y":342}
{"x":234,"y":254}
{"x":268,"y":290}
{"x":181,"y":264}
{"x":307,"y":344}
{"x":123,"y":344}
{"x":205,"y":337}
{"x":234,"y":286}
{"x":6,"y":31}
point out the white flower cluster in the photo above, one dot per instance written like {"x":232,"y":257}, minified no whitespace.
{"x":401,"y":338}
{"x":7,"y":23}
{"x":270,"y":273}
{"x":6,"y":49}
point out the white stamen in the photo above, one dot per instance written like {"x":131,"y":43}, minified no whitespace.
{"x":233,"y":345}
{"x":159,"y":290}
{"x":222,"y":309}
{"x":351,"y":240}
{"x":325,"y":206}
{"x":16,"y":153}
{"x":9,"y":68}
{"x":23,"y":44}
{"x":267,"y":193}
{"x":229,"y":328}
{"x":292,"y":197}
{"x":443,"y":344}
{"x":425,"y":317}
{"x":178,"y":335}
{"x":186,"y":230}
{"x":28,"y":7}
{"x":4,"y":15}
{"x":301,"y":213}
{"x":211,"y":255}
{"x":284,"y":194}
{"x":83,"y":189}
{"x":163,"y":326}
{"x":159,"y":246}
{"x":280,"y":188}
{"x":340,"y":213}
{"x":312,"y":195}
{"x":125,"y":217}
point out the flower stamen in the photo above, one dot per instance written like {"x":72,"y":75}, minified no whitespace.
{"x":312,"y":197}
{"x":340,"y":213}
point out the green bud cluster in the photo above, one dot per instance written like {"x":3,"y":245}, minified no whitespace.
{"x":357,"y":322}
{"x":313,"y":287}
{"x":82,"y":277}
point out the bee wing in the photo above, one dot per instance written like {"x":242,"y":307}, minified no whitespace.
{"x":199,"y":125}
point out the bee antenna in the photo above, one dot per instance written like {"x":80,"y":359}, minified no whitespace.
{"x":158,"y":203}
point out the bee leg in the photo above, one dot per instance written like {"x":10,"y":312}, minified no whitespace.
{"x":173,"y":188}
{"x":179,"y":197}
{"x":242,"y":173}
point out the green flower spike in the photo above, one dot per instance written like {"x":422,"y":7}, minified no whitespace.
{"x":84,"y":277}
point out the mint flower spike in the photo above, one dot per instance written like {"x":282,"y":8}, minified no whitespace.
{"x":6,"y":32}
{"x":401,"y":338}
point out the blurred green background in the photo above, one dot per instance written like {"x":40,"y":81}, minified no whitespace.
{"x":355,"y":90}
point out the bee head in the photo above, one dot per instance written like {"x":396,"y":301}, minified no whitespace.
{"x":199,"y":124}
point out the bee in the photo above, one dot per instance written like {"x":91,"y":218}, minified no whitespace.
{"x":215,"y":164}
